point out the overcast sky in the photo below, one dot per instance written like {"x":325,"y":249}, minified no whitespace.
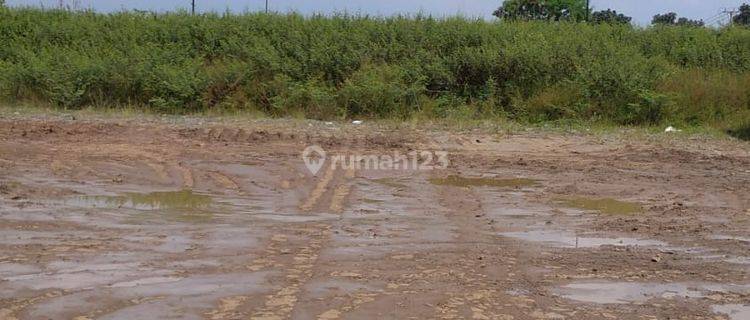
{"x":641,"y":10}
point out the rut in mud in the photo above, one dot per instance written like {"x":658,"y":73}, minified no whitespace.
{"x":120,"y":220}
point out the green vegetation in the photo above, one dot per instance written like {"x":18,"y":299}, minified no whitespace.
{"x":743,"y":18}
{"x":556,"y":10}
{"x":550,"y":10}
{"x":400,"y":67}
{"x":610,"y":16}
{"x":670,"y":19}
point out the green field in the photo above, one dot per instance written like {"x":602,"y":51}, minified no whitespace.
{"x":337,"y":67}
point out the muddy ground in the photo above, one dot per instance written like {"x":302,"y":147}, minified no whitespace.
{"x":131,"y":219}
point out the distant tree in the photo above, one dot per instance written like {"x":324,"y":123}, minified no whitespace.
{"x":551,"y":10}
{"x":665,"y":19}
{"x":670,"y":19}
{"x":610,"y":16}
{"x":743,"y":18}
{"x":685,"y":22}
{"x":521,"y":10}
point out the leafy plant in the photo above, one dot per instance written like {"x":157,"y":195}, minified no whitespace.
{"x":344,"y":66}
{"x":743,"y":18}
{"x":542,"y":10}
{"x":610,"y":16}
{"x":670,"y":19}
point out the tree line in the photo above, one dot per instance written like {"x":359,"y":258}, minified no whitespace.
{"x":578,"y":10}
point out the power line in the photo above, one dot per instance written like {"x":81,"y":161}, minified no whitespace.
{"x":717,"y":18}
{"x":730,"y":12}
{"x":718,"y":15}
{"x":720,"y":21}
{"x":716,"y":22}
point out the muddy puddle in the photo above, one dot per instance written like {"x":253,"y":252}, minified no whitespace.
{"x":391,"y":183}
{"x":184,"y":205}
{"x":184,"y":199}
{"x":564,"y":239}
{"x":602,"y":205}
{"x":731,"y":238}
{"x":458,"y":181}
{"x":734,"y":311}
{"x":371,"y":201}
{"x":145,"y":282}
{"x":296,"y":218}
{"x":737,"y":260}
{"x":635,"y":292}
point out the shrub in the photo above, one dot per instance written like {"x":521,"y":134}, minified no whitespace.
{"x":330,"y":67}
{"x":381,"y":91}
{"x":708,"y":96}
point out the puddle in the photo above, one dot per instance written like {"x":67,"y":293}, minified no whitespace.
{"x":326,"y":288}
{"x":184,"y":199}
{"x":184,"y":205}
{"x":297,"y":218}
{"x":159,"y":299}
{"x":145,"y":281}
{"x":390,"y":182}
{"x":737,"y":260}
{"x":634,"y":292}
{"x":733,"y":238}
{"x":458,"y":181}
{"x":603,"y":205}
{"x":734,"y":311}
{"x":624,"y":292}
{"x":565,"y":239}
{"x":13,"y":269}
{"x":517,"y":292}
{"x":77,"y":277}
{"x":371,"y":201}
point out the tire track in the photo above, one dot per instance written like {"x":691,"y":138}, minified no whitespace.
{"x":223,"y":180}
{"x":342,"y":192}
{"x":160,"y":171}
{"x":281,"y":304}
{"x":227,"y":308}
{"x":359,"y":299}
{"x":320,"y":189}
{"x":188,"y":180}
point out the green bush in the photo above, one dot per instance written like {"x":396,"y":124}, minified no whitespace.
{"x":708,"y":96}
{"x":381,"y":91}
{"x":357,"y":66}
{"x":312,"y":98}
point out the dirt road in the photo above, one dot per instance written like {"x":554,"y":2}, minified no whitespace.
{"x":125,"y":219}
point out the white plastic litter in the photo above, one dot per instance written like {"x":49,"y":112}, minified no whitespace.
{"x":671,"y":129}
{"x":357,"y":122}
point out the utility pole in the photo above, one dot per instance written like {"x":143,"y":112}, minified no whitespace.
{"x":588,"y":10}
{"x":266,"y":6}
{"x":731,"y":13}
{"x":192,"y":7}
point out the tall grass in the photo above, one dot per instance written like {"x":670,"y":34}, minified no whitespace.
{"x":358,"y":66}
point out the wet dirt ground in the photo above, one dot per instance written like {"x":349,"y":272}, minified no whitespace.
{"x":128,"y":219}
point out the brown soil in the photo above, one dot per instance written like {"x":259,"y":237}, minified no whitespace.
{"x":124,"y":219}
